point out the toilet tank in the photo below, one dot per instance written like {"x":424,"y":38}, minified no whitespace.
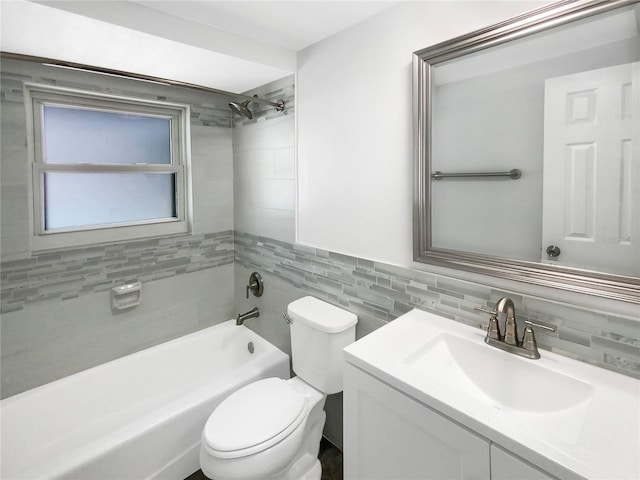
{"x":319,"y":332}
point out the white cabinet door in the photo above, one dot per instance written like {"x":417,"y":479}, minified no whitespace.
{"x":388,"y":435}
{"x":505,"y":466}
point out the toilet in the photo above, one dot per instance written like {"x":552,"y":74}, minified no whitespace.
{"x":271,"y":429}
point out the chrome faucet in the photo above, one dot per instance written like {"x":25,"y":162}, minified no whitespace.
{"x":505,"y":310}
{"x":246,"y":316}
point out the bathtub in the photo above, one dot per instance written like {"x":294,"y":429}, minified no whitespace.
{"x":137,"y":417}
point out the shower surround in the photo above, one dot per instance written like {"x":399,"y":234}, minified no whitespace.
{"x":56,"y":315}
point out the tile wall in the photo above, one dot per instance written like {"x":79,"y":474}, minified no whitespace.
{"x":264,"y":165}
{"x":51,"y":339}
{"x":73,"y":273}
{"x":211,"y":146}
{"x":42,"y":297}
{"x":379,"y":292}
{"x":56,"y":315}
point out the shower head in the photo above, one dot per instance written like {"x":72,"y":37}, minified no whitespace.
{"x":241,"y":108}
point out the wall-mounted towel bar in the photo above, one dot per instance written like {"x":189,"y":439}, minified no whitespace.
{"x":514,"y":174}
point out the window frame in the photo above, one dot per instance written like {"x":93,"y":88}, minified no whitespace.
{"x":36,"y":97}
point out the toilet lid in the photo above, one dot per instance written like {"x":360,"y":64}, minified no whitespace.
{"x":253,"y":415}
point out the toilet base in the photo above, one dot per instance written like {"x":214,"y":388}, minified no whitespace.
{"x":275,"y":463}
{"x":315,"y":473}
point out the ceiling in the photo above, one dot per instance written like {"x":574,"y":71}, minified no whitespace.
{"x":293,"y":24}
{"x":231,"y":45}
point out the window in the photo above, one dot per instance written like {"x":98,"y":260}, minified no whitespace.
{"x":106,"y":168}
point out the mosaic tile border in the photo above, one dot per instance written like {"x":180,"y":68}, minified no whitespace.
{"x":379,"y":292}
{"x":376,"y":291}
{"x":75,"y":272}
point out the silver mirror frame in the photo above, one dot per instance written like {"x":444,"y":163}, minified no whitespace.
{"x":616,"y":287}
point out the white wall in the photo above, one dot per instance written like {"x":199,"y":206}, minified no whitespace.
{"x":354,"y":125}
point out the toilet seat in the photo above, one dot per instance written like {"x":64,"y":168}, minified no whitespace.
{"x":253,"y":419}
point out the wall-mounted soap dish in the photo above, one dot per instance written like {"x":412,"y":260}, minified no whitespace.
{"x":126,"y":296}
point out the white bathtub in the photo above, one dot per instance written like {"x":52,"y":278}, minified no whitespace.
{"x":137,"y":417}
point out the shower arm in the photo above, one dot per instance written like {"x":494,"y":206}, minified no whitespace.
{"x":279,"y":104}
{"x":135,"y":76}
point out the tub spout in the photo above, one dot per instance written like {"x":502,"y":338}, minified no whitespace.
{"x":245,"y":316}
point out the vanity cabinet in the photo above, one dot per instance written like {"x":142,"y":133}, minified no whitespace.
{"x":389,"y":435}
{"x":505,"y":466}
{"x":426,"y":397}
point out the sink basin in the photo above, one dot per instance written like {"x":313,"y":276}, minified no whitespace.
{"x":572,"y":419}
{"x":498,"y":377}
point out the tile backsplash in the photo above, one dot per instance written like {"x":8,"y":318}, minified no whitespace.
{"x":379,"y":292}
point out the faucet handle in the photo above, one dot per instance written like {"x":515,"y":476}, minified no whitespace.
{"x":485,"y":310}
{"x":255,"y":285}
{"x":529,"y":339}
{"x":493,"y":329}
{"x":540,"y":325}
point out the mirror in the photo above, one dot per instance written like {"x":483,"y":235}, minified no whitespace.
{"x":527,"y":158}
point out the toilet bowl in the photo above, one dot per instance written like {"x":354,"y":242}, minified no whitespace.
{"x":271,"y":429}
{"x":259,"y":431}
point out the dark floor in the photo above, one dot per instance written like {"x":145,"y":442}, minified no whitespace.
{"x":330,"y":459}
{"x":196,"y":476}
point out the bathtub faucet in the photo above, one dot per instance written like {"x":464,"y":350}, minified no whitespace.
{"x":245,"y":316}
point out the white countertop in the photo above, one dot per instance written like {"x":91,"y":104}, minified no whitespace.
{"x":594,"y":438}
